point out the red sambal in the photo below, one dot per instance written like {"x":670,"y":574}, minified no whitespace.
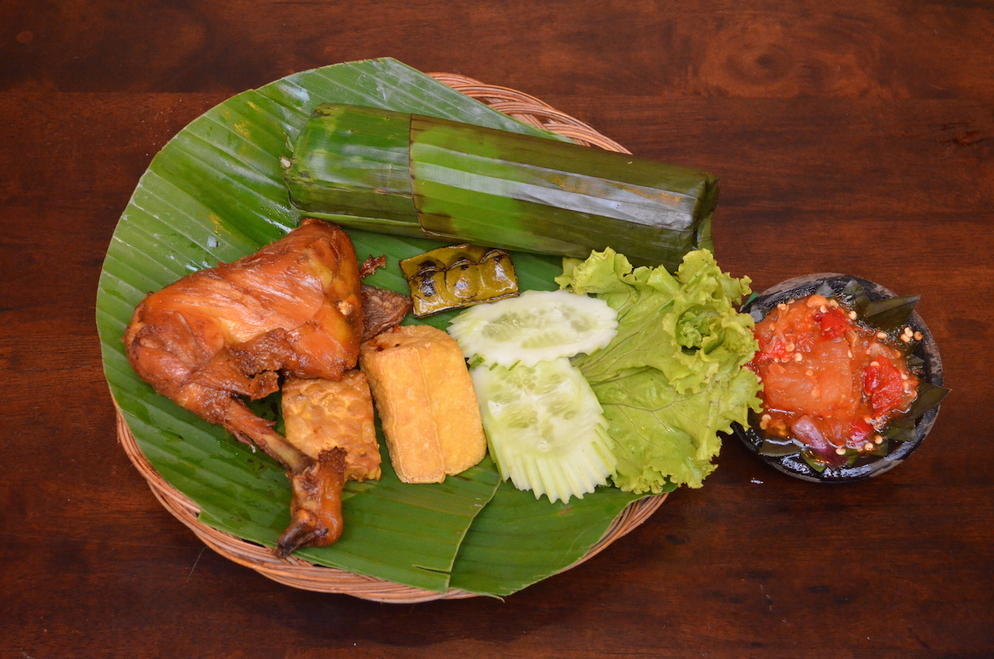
{"x":827,"y":381}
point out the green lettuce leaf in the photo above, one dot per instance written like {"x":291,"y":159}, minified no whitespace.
{"x":672,"y":378}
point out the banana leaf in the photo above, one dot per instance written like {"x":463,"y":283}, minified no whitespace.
{"x":508,"y":533}
{"x":214,"y":193}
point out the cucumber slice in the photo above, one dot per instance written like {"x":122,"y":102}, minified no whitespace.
{"x":535,"y":326}
{"x":545,"y":428}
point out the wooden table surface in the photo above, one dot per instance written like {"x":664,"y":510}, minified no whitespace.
{"x":849,"y":136}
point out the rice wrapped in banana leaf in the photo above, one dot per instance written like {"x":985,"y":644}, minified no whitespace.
{"x":413,"y":175}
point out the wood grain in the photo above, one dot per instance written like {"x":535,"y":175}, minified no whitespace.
{"x":850,"y":136}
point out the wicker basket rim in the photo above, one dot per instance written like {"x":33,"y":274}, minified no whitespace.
{"x":301,"y":574}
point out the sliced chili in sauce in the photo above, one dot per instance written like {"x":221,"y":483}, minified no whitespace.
{"x":828,"y":381}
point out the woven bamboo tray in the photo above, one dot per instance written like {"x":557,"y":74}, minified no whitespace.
{"x":302,"y":574}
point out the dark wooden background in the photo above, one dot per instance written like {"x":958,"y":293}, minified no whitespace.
{"x":849,"y":136}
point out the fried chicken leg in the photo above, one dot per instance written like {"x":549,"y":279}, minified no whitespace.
{"x":295,"y":307}
{"x":225,"y":332}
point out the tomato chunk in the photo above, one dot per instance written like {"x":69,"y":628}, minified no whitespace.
{"x":833,"y":323}
{"x":883,"y":386}
{"x":860,"y":430}
{"x":770,"y":349}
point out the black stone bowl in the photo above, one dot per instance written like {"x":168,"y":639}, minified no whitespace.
{"x":832,"y":284}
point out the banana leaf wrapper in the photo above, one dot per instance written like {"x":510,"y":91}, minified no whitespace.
{"x":414,"y":175}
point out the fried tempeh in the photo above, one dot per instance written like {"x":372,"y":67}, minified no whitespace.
{"x":330,"y":421}
{"x":426,"y":402}
{"x":324,"y":414}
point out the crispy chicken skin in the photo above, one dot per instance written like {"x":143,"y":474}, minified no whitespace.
{"x":292,"y":308}
{"x":381,"y":310}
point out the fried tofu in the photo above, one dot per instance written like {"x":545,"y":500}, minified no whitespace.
{"x":426,"y":402}
{"x":321,"y":415}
